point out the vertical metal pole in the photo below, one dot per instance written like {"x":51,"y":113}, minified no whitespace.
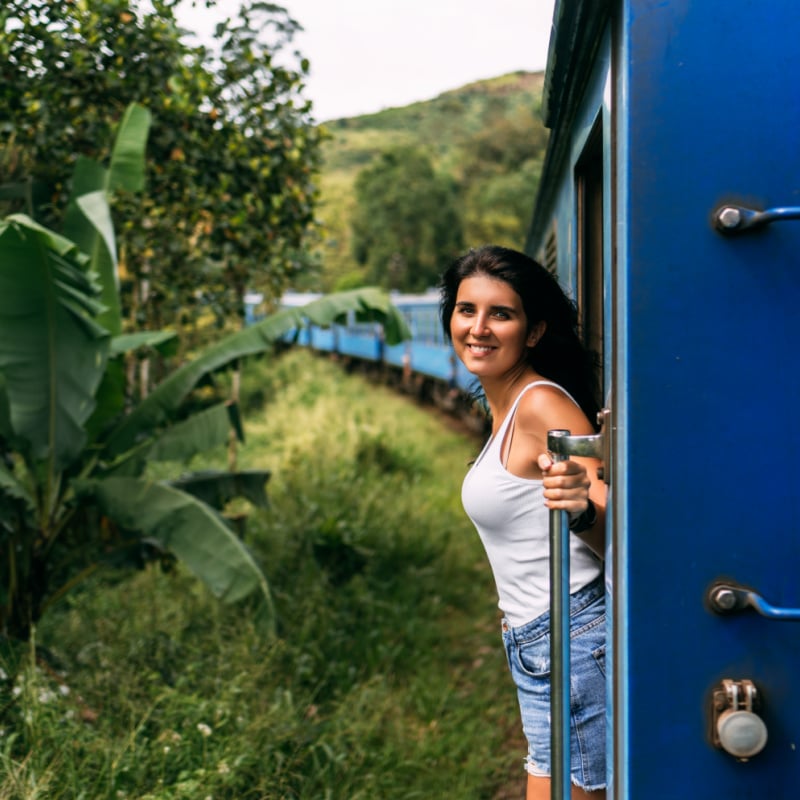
{"x":560,"y":783}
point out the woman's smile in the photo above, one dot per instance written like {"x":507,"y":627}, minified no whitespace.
{"x":480,"y":349}
{"x":489,"y":328}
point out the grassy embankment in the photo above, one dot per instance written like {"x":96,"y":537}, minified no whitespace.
{"x":387,"y":679}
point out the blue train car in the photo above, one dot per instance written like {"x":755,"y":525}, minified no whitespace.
{"x":425,"y":365}
{"x":669,"y":202}
{"x":426,"y":353}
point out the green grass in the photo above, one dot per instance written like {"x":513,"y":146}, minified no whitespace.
{"x":386,"y":680}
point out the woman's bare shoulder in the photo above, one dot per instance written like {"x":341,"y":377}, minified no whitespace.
{"x":548,"y":406}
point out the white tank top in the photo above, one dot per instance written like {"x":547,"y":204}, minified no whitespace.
{"x":513,"y":523}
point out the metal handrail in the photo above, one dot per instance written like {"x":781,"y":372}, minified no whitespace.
{"x":560,"y":784}
{"x":561,"y":446}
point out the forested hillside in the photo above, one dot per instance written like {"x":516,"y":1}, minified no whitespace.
{"x":407,"y":188}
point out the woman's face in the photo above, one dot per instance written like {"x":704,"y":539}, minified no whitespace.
{"x":489,"y":328}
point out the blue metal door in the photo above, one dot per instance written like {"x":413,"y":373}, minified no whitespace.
{"x":707,"y":399}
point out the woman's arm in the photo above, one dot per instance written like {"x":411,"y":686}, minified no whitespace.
{"x":568,"y":485}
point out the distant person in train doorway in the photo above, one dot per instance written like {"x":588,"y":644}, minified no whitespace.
{"x":516,"y":330}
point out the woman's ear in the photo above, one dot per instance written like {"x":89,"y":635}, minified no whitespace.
{"x":536,"y":333}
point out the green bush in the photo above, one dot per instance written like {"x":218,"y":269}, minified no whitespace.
{"x":386,"y":678}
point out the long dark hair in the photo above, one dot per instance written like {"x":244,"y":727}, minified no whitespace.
{"x":560,"y":355}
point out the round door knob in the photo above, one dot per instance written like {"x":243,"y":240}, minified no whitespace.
{"x":741,"y":733}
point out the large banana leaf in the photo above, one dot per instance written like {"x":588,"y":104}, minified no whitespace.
{"x":110,"y":395}
{"x":216,"y":488}
{"x":6,"y":430}
{"x":199,"y":433}
{"x":102,"y":247}
{"x":127,"y":168}
{"x":10,"y":486}
{"x":188,"y":528}
{"x":52,"y":352}
{"x":165,"y":342}
{"x":88,"y":219}
{"x":168,"y":395}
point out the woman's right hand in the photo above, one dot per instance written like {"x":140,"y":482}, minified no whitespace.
{"x":566,"y":484}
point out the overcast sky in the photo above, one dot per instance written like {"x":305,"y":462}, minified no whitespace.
{"x":367,"y":55}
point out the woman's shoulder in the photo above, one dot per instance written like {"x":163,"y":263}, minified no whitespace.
{"x":542,"y":392}
{"x":546,"y":404}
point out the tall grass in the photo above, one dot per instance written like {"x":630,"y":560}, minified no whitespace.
{"x":386,"y":679}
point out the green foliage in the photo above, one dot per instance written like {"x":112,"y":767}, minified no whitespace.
{"x":92,"y":185}
{"x":485,"y":139}
{"x":69,"y":503}
{"x":232,"y":154}
{"x":386,"y":678}
{"x":405,"y":224}
{"x":52,"y":351}
{"x":503,"y":164}
{"x":73,"y":446}
{"x":71,"y":488}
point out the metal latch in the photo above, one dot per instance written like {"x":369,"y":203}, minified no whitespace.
{"x":562,"y":444}
{"x":735,"y":726}
{"x":729,"y":598}
{"x":731,"y":219}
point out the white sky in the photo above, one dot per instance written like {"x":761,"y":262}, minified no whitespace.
{"x":367,"y":55}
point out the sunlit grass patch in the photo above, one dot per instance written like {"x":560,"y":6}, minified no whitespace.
{"x":386,"y":679}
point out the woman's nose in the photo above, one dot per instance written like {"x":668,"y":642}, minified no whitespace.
{"x":479,"y":325}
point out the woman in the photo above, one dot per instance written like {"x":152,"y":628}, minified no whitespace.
{"x":515,"y":329}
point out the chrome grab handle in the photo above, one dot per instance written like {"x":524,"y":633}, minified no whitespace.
{"x":561,"y":446}
{"x":594,"y":445}
{"x":736,"y":219}
{"x":560,"y":762}
{"x":728,"y":598}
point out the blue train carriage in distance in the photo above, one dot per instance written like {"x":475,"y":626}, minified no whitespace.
{"x":427,"y":362}
{"x":670,"y":203}
{"x":424,"y":366}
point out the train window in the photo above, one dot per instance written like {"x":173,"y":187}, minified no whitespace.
{"x":589,"y":193}
{"x":425,"y":324}
{"x":550,"y":256}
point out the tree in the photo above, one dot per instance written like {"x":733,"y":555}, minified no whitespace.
{"x":406,"y":223}
{"x":233,"y":151}
{"x":501,"y":167}
{"x":74,"y":494}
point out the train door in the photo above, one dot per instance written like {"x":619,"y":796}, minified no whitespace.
{"x":589,"y":193}
{"x":706,"y":470}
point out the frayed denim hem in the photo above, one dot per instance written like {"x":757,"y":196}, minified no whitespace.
{"x":538,"y":772}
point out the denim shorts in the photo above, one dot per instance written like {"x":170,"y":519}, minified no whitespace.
{"x":528,"y":653}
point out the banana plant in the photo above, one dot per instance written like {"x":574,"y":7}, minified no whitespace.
{"x":74,"y":489}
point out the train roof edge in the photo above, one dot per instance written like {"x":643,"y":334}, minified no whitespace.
{"x":574,"y":37}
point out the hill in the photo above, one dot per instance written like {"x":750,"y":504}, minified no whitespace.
{"x":487,"y":137}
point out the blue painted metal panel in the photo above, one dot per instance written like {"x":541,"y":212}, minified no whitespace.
{"x":465,"y":380}
{"x":713,"y":111}
{"x":323,"y":339}
{"x":366,"y":344}
{"x":701,"y":340}
{"x":434,"y":360}
{"x":300,"y":337}
{"x":395,"y":354}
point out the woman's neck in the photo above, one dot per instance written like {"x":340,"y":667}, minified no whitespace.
{"x":502,"y":392}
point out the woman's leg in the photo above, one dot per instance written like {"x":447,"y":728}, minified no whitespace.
{"x":539,"y":789}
